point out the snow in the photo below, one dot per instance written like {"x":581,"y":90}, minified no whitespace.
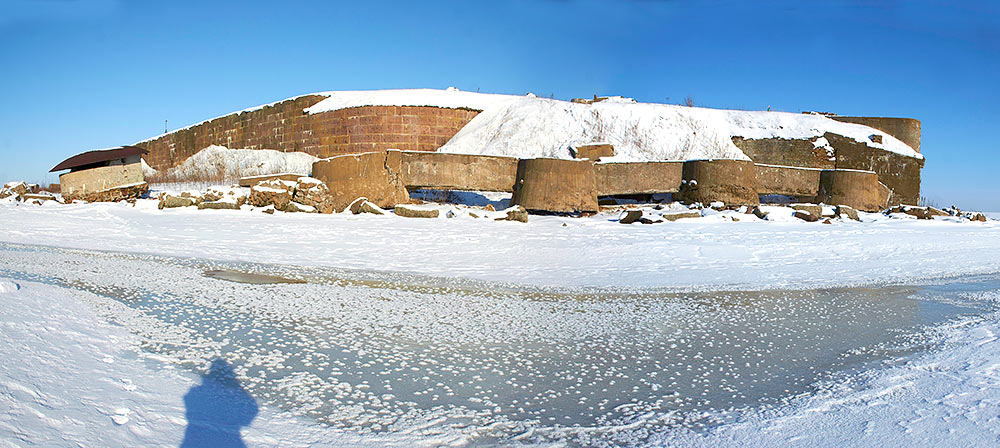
{"x":711,"y":252}
{"x":395,"y":339}
{"x":449,"y":98}
{"x":538,"y":127}
{"x":220,"y":164}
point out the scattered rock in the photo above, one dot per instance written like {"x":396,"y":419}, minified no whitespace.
{"x":515,"y":213}
{"x":363,"y":205}
{"x":827,"y":221}
{"x":680,"y":215}
{"x":812,"y":209}
{"x":314,"y":192}
{"x":645,"y":220}
{"x":977,"y":217}
{"x":222,"y":204}
{"x":412,"y":211}
{"x":171,"y":201}
{"x":756,"y":211}
{"x":805,"y":216}
{"x":843,"y":211}
{"x":918,"y":212}
{"x":629,"y":216}
{"x":295,"y":207}
{"x":489,"y":208}
{"x":268,"y":211}
{"x":272,"y":192}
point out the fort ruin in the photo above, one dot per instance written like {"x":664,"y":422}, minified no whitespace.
{"x":381,"y":144}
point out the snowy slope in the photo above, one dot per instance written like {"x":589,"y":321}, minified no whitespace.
{"x":218,"y":163}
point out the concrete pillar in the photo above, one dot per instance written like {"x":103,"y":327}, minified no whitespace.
{"x":733,"y":182}
{"x":556,"y":185}
{"x":857,"y":189}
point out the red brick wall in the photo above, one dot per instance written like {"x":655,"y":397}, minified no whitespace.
{"x":284,"y":127}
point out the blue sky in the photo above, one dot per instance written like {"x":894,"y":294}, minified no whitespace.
{"x":80,"y":75}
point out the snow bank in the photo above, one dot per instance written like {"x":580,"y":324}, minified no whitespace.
{"x":221,"y":164}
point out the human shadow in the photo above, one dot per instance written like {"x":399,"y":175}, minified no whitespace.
{"x":217,"y":409}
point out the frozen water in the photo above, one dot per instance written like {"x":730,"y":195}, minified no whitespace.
{"x":374,"y":352}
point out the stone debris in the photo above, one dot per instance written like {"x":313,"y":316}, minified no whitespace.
{"x":674,"y":216}
{"x":812,"y":209}
{"x":805,"y":216}
{"x":413,"y":211}
{"x":222,"y":204}
{"x":271,"y":192}
{"x":845,"y":212}
{"x":313,"y":192}
{"x":918,"y":212}
{"x":515,"y":213}
{"x":171,"y":201}
{"x":756,"y":211}
{"x":629,"y":216}
{"x":295,"y":207}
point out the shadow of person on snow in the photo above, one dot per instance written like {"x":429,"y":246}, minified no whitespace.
{"x":217,"y":409}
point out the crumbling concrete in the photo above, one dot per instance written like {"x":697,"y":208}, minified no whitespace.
{"x":733,"y":182}
{"x":858,"y":189}
{"x":556,"y":185}
{"x":638,"y":178}
{"x":441,"y":171}
{"x":375,"y":175}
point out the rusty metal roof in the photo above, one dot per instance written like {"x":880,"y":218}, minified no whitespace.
{"x":101,"y":155}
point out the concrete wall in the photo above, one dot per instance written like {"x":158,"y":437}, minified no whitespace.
{"x":785,"y":152}
{"x":285,"y":127}
{"x":374,"y":175}
{"x":898,"y":172}
{"x":790,"y":181}
{"x":733,"y":182}
{"x":555,"y":185}
{"x":458,"y":171}
{"x":905,"y":129}
{"x":83,"y":182}
{"x":638,"y":178}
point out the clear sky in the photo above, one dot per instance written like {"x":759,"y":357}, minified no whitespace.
{"x":87,"y":74}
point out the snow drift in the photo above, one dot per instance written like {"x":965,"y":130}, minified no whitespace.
{"x":221,"y":164}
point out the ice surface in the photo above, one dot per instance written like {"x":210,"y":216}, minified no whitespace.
{"x":381,"y":355}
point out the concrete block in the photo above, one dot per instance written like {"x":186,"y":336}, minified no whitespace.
{"x":556,"y":185}
{"x":733,"y":182}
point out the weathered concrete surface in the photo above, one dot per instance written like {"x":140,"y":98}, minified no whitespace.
{"x":733,"y":182}
{"x":77,"y":184}
{"x":856,"y":189}
{"x":415,"y":211}
{"x":785,"y":152}
{"x":638,"y":178}
{"x":898,"y":172}
{"x":556,"y":185}
{"x":786,"y":180}
{"x":594,"y":151}
{"x":905,"y":129}
{"x":254,"y":180}
{"x":441,"y":171}
{"x":374,"y":175}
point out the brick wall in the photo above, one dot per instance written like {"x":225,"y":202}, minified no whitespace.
{"x":284,"y":127}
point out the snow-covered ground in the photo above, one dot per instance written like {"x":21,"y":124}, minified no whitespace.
{"x":711,"y":252}
{"x":454,"y":331}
